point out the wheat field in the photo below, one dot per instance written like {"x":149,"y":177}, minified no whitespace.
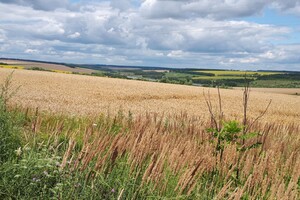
{"x":86,"y":95}
{"x":47,"y":66}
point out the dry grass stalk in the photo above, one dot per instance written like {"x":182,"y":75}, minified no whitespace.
{"x":68,"y":153}
{"x":176,"y":144}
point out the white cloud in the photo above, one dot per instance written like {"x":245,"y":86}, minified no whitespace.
{"x":214,"y":9}
{"x":74,"y":35}
{"x":243,"y":60}
{"x":31,"y":51}
{"x":2,"y":36}
{"x":268,"y":55}
{"x":176,"y":54}
{"x":189,"y":33}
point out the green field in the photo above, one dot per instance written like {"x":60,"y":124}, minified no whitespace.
{"x":11,"y":66}
{"x":237,"y":73}
{"x":177,"y":75}
{"x":220,"y":77}
{"x":256,"y":79}
{"x":276,"y":83}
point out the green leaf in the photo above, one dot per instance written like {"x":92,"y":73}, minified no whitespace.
{"x":253,"y":146}
{"x":249,"y":135}
{"x":232,"y":127}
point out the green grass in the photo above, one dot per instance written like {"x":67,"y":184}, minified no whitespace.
{"x":218,"y":77}
{"x":31,"y":168}
{"x":177,"y":75}
{"x":237,"y":73}
{"x":276,"y":83}
{"x":10,"y":141}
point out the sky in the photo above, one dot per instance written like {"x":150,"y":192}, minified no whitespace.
{"x":223,"y":34}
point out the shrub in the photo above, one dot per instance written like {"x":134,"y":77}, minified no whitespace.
{"x":39,"y":69}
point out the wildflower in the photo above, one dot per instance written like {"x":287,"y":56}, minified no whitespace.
{"x":35,"y":179}
{"x":113,"y":190}
{"x":26,"y":147}
{"x":77,"y":185}
{"x":46,"y":173}
{"x":57,"y":164}
{"x":19,"y":151}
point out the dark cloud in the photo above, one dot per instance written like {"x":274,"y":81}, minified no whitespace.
{"x":286,"y":4}
{"x":39,"y":4}
{"x":213,"y":9}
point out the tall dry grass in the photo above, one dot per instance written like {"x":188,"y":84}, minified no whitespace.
{"x":175,"y":153}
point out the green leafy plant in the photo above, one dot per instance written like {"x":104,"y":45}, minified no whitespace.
{"x":232,"y":132}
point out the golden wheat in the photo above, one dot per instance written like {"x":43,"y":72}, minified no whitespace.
{"x":86,"y":95}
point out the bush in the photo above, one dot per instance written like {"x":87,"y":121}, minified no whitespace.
{"x":39,"y":69}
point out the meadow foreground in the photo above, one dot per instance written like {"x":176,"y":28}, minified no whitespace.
{"x":87,"y":145}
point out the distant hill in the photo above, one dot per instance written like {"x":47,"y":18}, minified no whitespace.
{"x":43,"y":66}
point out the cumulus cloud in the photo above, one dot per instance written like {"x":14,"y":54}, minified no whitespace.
{"x":188,"y":33}
{"x":213,"y":9}
{"x":121,"y":4}
{"x":288,"y":6}
{"x":40,"y":4}
{"x":201,"y":8}
{"x":2,"y":36}
{"x":31,"y":51}
{"x":74,"y":35}
{"x":203,"y":35}
{"x":283,"y":54}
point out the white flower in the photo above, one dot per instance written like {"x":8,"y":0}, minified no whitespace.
{"x":46,"y":173}
{"x":19,"y":151}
